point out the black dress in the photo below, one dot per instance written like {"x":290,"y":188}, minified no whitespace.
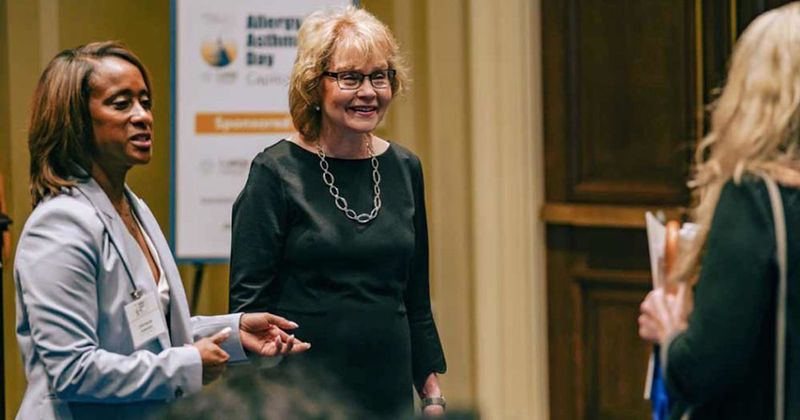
{"x":359,"y":292}
{"x":723,"y":365}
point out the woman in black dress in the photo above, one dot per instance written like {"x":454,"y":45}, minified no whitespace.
{"x":719,"y":362}
{"x":330,"y":228}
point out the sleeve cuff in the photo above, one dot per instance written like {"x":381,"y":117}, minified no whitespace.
{"x":233,"y":345}
{"x":213,"y":324}
{"x":191,"y":382}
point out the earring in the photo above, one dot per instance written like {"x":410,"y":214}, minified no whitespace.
{"x":316,"y":107}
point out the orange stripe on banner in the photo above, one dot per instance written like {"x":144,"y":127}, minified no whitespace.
{"x":226,"y":123}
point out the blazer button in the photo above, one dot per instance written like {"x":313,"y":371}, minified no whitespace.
{"x":178,"y":392}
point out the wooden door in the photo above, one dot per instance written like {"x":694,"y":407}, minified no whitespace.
{"x":625,"y":87}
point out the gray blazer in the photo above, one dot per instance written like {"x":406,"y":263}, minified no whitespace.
{"x":71,"y":289}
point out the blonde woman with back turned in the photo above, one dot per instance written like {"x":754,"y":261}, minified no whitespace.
{"x":719,"y":357}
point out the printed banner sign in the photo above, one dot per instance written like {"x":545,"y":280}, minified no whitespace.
{"x":231,"y":61}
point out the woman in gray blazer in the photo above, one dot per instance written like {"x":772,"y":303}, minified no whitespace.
{"x":102,"y":320}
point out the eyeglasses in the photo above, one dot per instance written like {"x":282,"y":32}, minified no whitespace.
{"x":352,"y":80}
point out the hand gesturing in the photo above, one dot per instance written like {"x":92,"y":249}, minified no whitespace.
{"x":263,"y":333}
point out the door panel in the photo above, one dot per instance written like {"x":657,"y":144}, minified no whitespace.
{"x":632,"y":87}
{"x":625,"y":83}
{"x":595,"y":286}
{"x":625,"y":109}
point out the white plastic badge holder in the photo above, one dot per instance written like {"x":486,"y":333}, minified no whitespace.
{"x":145,"y":320}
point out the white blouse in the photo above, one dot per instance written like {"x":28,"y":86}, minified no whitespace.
{"x":163,"y":286}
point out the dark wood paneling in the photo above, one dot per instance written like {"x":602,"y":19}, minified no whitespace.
{"x":747,"y":10}
{"x":597,"y":278}
{"x":720,"y":29}
{"x":632,"y":89}
{"x":717,"y":43}
{"x":597,"y":215}
{"x":565,"y":398}
{"x":614,"y":356}
{"x":554,"y":92}
{"x":620,"y":99}
{"x":624,"y":86}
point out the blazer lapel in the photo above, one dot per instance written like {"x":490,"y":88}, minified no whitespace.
{"x":130,"y":255}
{"x":179,"y":317}
{"x":114,"y":226}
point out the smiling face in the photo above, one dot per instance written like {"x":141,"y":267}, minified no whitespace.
{"x":346,"y":113}
{"x":122,"y":121}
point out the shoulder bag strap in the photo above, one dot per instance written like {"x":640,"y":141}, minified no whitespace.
{"x":780,"y":312}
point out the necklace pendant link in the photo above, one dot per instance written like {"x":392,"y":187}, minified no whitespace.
{"x":341,"y":202}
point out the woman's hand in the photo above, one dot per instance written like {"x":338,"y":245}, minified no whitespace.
{"x":263,"y":334}
{"x":431,"y":390}
{"x":433,"y":411}
{"x":212,"y":355}
{"x":663,"y":314}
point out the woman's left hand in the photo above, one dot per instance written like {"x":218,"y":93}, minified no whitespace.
{"x":263,"y":333}
{"x":433,"y":411}
{"x":431,"y":390}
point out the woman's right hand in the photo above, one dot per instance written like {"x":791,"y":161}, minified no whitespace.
{"x":212,"y":355}
{"x":664,"y":314}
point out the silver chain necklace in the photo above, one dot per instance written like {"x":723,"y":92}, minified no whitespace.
{"x":341,"y":202}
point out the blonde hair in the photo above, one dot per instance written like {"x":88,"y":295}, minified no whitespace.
{"x":60,"y":133}
{"x":754,"y":122}
{"x":320,"y":36}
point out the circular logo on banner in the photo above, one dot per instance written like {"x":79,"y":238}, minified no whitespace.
{"x":219,"y":52}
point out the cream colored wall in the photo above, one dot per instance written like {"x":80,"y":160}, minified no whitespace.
{"x":473,"y":117}
{"x":22,"y":46}
{"x":4,"y":140}
{"x":432,"y":121}
{"x":507,"y":192}
{"x":475,"y":120}
{"x":5,"y":147}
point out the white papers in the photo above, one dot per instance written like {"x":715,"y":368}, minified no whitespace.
{"x":648,"y":381}
{"x":656,"y":236}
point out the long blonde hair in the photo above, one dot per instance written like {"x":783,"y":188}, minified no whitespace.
{"x":754,"y":122}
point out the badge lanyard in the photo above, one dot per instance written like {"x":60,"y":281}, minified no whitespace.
{"x":136,"y":293}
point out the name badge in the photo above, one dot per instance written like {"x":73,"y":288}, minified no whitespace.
{"x":145,"y":320}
